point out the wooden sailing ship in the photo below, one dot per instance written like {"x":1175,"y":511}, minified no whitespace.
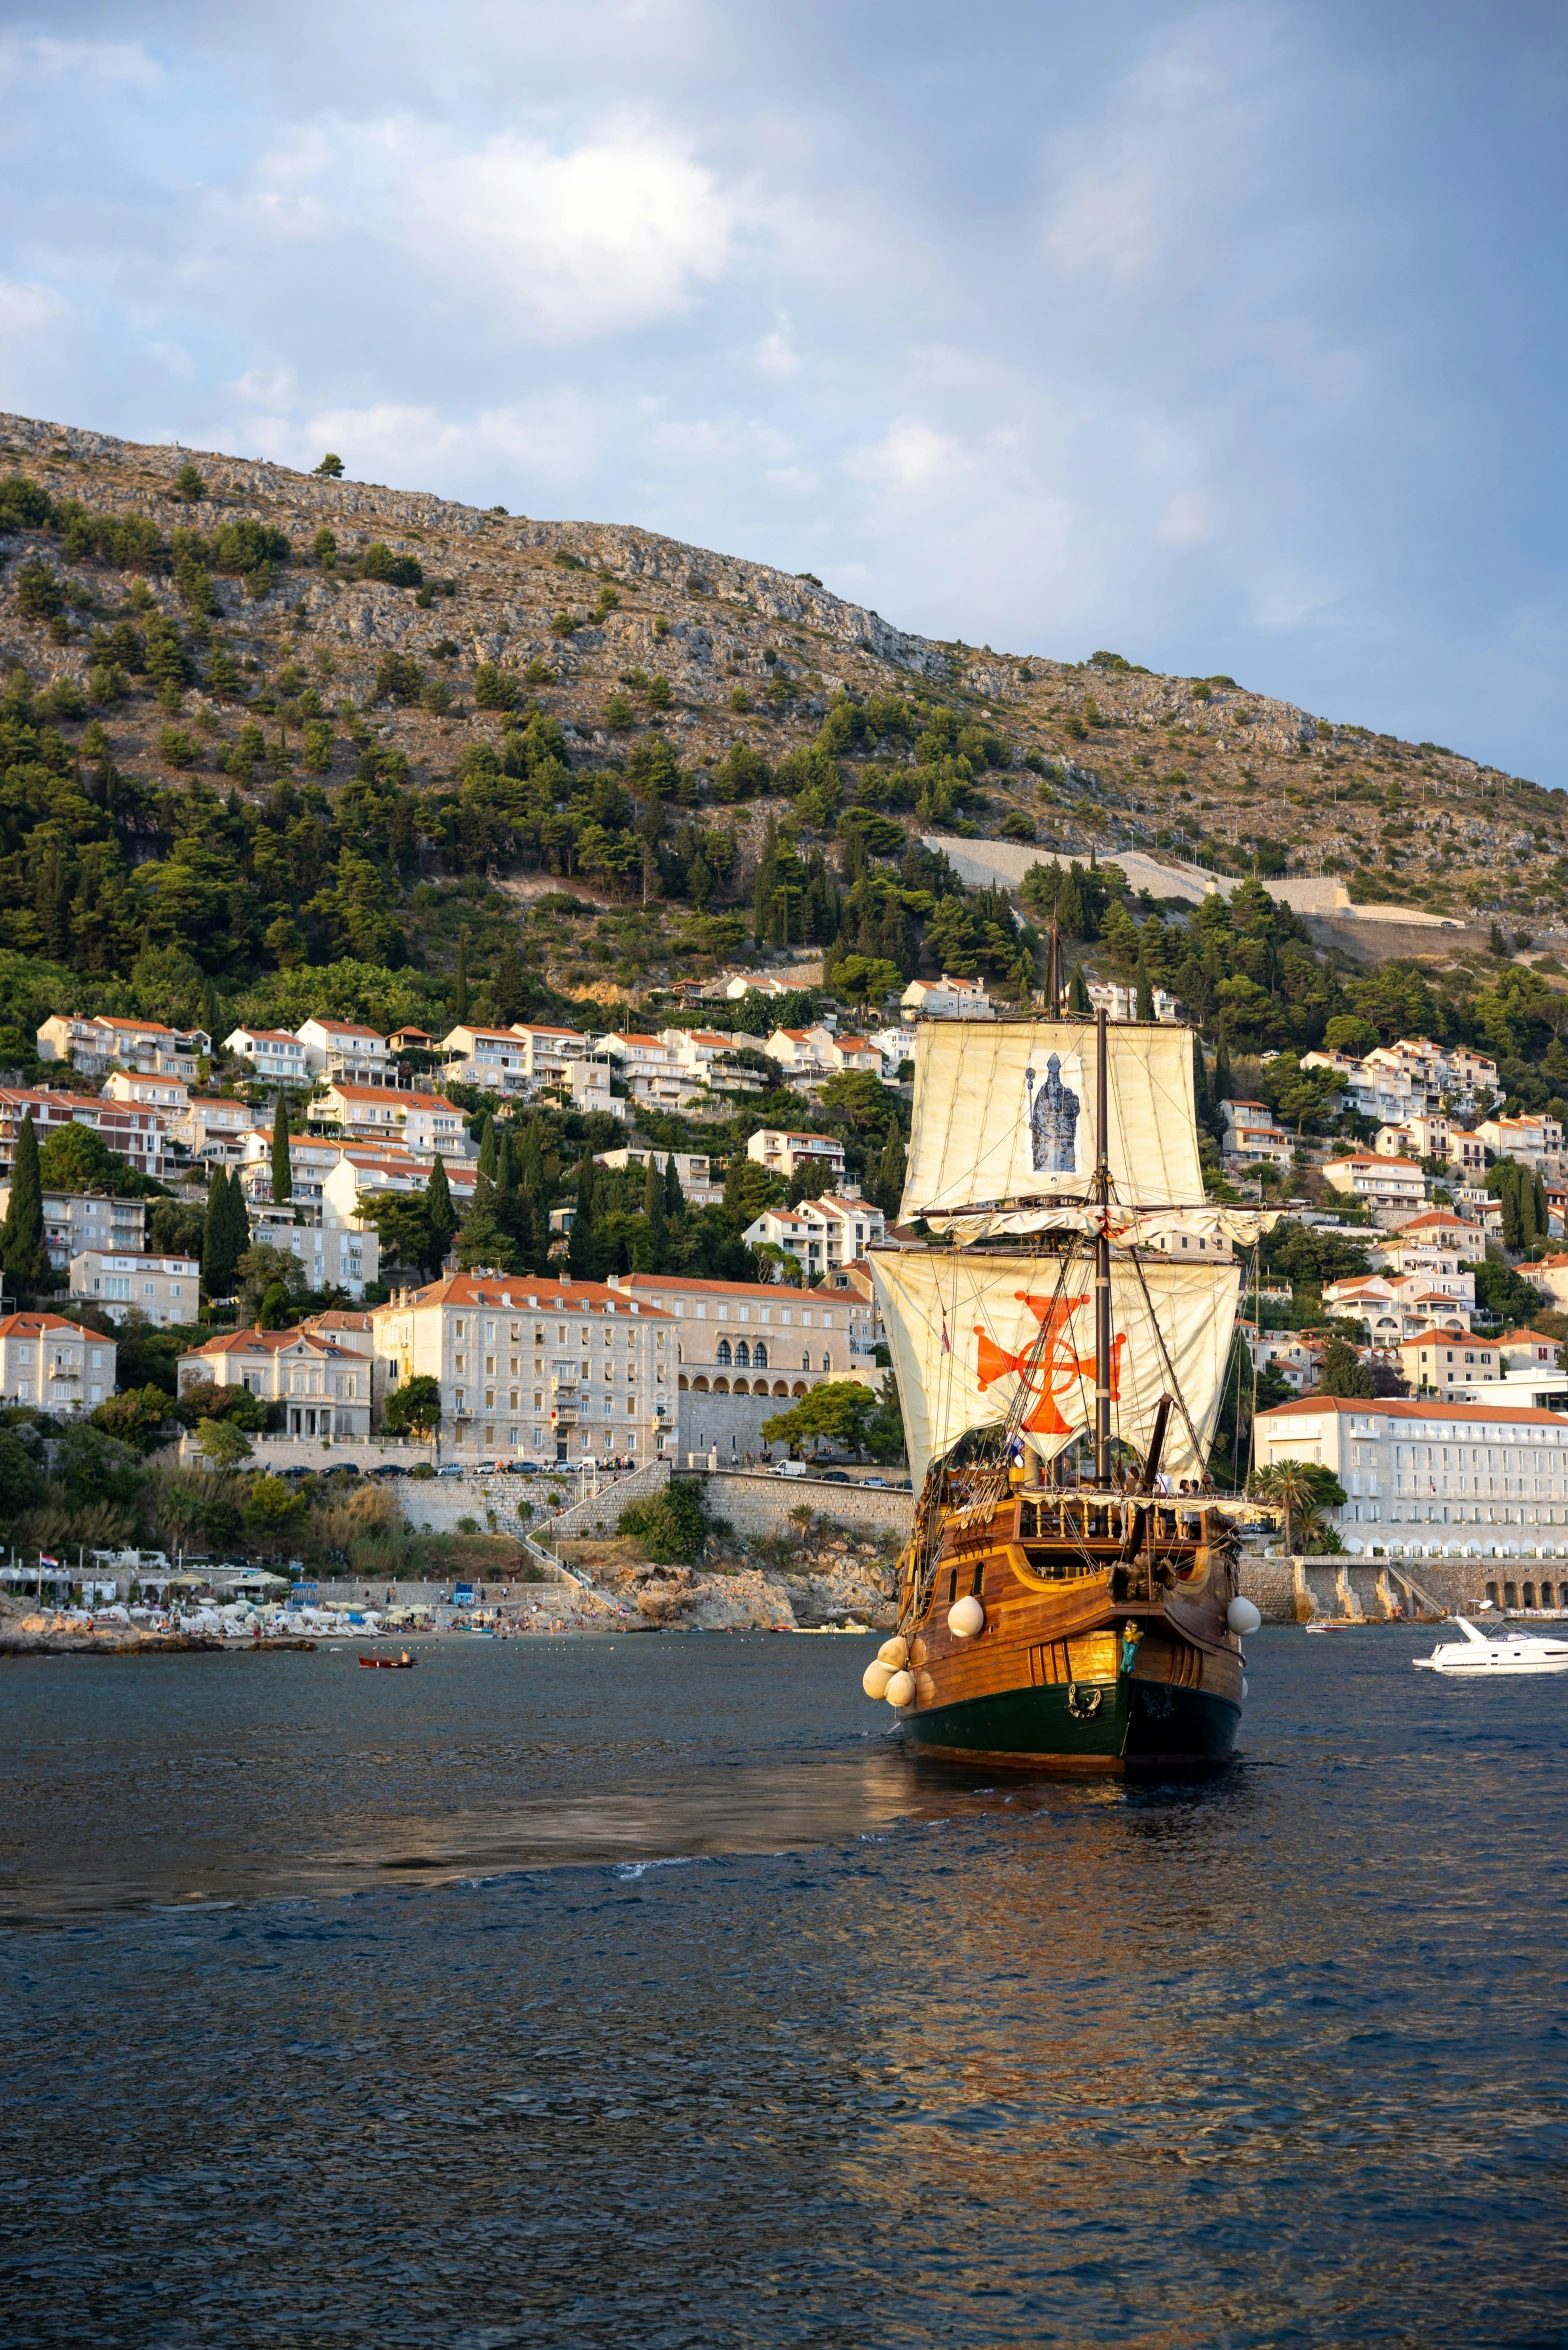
{"x":1068,"y":1596}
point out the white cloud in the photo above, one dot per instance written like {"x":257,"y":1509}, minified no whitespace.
{"x":776,"y":355}
{"x":909,"y":456}
{"x":75,"y":62}
{"x":613,"y":234}
{"x":27,"y":310}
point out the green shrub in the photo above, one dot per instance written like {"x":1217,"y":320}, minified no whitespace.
{"x":671,"y":1526}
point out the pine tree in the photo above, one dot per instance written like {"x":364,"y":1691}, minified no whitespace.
{"x":22,"y":1250}
{"x":282,"y":1163}
{"x":439,"y":1212}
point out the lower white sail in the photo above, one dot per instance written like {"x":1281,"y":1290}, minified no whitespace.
{"x":972,"y":1333}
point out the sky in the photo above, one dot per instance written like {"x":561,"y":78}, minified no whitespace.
{"x":1230,"y":338}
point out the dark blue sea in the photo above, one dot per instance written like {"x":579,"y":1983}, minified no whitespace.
{"x":644,"y":1993}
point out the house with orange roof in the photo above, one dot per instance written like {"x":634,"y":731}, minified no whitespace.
{"x":745,"y":1352}
{"x":319,"y":1388}
{"x":342,"y":1048}
{"x":420,"y":1122}
{"x":55,"y":1365}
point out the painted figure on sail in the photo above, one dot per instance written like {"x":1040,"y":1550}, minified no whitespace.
{"x":1053,"y":1122}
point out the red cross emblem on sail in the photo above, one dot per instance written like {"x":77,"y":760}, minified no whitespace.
{"x":1048,"y":1365}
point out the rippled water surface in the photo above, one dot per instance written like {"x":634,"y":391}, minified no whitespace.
{"x":644,"y":1993}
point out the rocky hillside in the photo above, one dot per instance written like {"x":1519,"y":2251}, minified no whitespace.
{"x":347,"y":616}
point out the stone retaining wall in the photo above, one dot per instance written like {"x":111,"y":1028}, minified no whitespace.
{"x":756,"y":1503}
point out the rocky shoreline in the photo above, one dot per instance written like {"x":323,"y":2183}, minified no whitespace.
{"x":819,"y":1582}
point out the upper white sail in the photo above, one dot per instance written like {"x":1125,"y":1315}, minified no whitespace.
{"x":1005,"y":1112}
{"x":972,"y":1333}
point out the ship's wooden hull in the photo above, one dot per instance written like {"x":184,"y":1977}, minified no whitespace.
{"x":1104,"y":1647}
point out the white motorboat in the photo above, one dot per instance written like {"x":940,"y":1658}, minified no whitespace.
{"x":1515,"y":1653}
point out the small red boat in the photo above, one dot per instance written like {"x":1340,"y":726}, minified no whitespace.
{"x":390,"y":1664}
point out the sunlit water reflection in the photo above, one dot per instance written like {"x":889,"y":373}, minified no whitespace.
{"x":647,"y":1994}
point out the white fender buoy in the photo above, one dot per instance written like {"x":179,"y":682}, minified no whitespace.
{"x":875,"y":1678}
{"x":925,"y":1688}
{"x":1242,"y":1616}
{"x":901,"y":1690}
{"x":966,"y":1617}
{"x":894,"y":1652}
{"x":917,"y":1653}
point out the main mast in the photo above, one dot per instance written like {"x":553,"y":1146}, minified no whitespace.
{"x":1102,"y":1260}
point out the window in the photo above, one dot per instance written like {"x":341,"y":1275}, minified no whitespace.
{"x":723,"y":1355}
{"x":742,"y":1354}
{"x":759,"y":1356}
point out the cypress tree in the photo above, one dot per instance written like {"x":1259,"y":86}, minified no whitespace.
{"x":460,"y":991}
{"x":890,"y":1173}
{"x":1222,"y":1076}
{"x":238,"y":1218}
{"x":674,"y":1197}
{"x":22,"y":1248}
{"x":1145,"y":985}
{"x":487,"y":1151}
{"x":1078,"y":998}
{"x":282,"y":1164}
{"x":530,"y":1162}
{"x":583,"y":1250}
{"x":653,"y":1209}
{"x":439,"y":1212}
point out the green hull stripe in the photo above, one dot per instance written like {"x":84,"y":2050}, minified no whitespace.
{"x":1135,"y":1720}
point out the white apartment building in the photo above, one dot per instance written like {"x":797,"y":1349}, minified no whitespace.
{"x":75,"y":1220}
{"x":1295,"y":1358}
{"x":585,"y":1083}
{"x":866,"y":1330}
{"x":1121,"y":1003}
{"x":1428,"y":1477}
{"x":331,"y":1255}
{"x":496,"y":1058}
{"x":360,"y":1174}
{"x":652,"y":1073}
{"x":324,"y":1389}
{"x":1434,"y":1138}
{"x":1534,"y":1141}
{"x":531,"y":1368}
{"x":766,"y":983}
{"x":1377,"y":1182}
{"x":549,"y":1051}
{"x":1437,"y":1234}
{"x":214,"y":1128}
{"x":312,"y":1158}
{"x":1413,"y":1078}
{"x":54,"y":1364}
{"x":1435,"y":1360}
{"x":341,"y":1048}
{"x":276,"y":1057}
{"x":166,"y":1289}
{"x":821,"y":1052}
{"x":783,"y":1151}
{"x":945,"y":999}
{"x":107,"y":1042}
{"x":822,"y":1235}
{"x":421,"y":1122}
{"x":1252,"y":1138}
{"x":167,"y":1095}
{"x":693,"y":1170}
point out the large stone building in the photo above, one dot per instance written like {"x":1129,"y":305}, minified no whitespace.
{"x":745,"y":1352}
{"x":164,"y":1289}
{"x":536,"y":1369}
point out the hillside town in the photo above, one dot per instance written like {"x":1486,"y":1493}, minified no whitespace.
{"x":265,"y":1198}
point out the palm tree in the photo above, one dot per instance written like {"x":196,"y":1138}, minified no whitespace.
{"x":1290,"y":1483}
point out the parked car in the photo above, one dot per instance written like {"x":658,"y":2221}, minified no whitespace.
{"x":525,"y":1468}
{"x":450,"y":1469}
{"x":488,"y":1468}
{"x":834,"y":1477}
{"x":789,"y":1468}
{"x":390,"y":1469}
{"x":881,"y":1481}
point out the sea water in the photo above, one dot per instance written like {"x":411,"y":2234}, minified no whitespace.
{"x":643,"y":1992}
